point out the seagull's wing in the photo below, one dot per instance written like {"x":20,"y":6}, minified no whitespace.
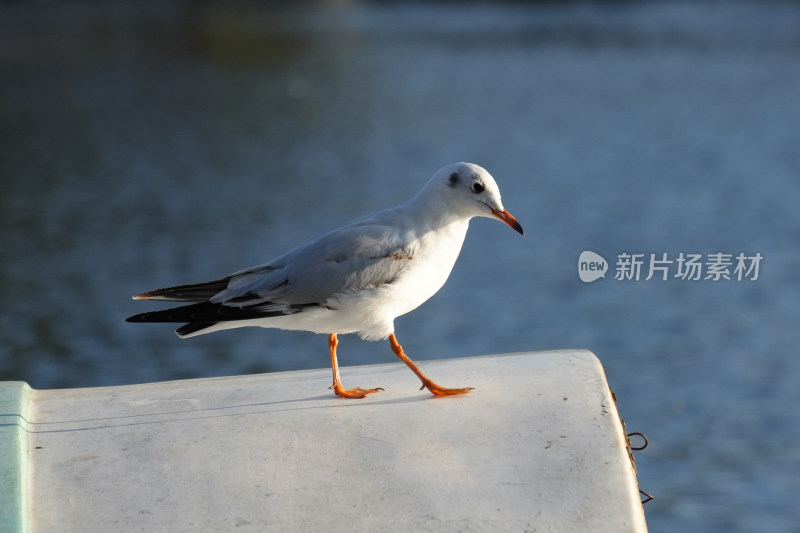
{"x":363,"y":254}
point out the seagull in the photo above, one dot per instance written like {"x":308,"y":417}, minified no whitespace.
{"x":353,"y":278}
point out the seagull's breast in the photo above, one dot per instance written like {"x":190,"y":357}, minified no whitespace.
{"x":424,"y":266}
{"x":430,"y":260}
{"x":419,"y":267}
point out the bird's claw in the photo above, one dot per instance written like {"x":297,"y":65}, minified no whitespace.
{"x":438,"y":390}
{"x":357,"y":392}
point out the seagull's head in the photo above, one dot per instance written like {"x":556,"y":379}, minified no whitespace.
{"x":471,"y":191}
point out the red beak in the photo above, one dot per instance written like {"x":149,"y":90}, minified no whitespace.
{"x":506,"y":217}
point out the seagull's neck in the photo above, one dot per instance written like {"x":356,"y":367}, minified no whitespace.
{"x":433,"y":212}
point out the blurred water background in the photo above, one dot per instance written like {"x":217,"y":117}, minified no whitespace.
{"x":151,"y":144}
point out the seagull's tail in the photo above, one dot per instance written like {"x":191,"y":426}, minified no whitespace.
{"x":199,"y":292}
{"x":205,"y":317}
{"x":186,"y":313}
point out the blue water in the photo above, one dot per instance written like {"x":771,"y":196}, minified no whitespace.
{"x":150,"y":146}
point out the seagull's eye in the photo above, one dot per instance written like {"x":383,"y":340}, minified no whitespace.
{"x":477,"y":187}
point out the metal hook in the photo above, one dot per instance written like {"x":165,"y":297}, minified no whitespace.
{"x":643,"y":446}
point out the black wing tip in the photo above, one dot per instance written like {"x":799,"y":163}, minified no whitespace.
{"x":136,"y":318}
{"x":174,"y":314}
{"x":183,"y":331}
{"x":198,"y":292}
{"x":143,"y":296}
{"x":208,"y":313}
{"x":162,"y":293}
{"x":193,"y":327}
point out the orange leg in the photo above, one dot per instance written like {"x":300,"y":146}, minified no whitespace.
{"x":426,"y":381}
{"x":337,"y":382}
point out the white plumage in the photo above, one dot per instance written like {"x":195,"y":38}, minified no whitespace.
{"x":354,"y":278}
